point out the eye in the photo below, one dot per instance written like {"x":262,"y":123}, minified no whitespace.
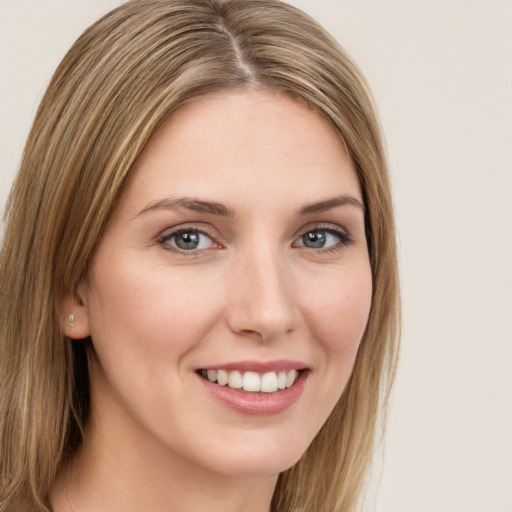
{"x":187,"y":240}
{"x":323,"y":238}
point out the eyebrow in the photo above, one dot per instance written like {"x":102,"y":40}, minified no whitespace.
{"x":214,"y":208}
{"x":328,"y":204}
{"x":190,"y":203}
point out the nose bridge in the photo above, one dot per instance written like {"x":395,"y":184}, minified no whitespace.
{"x":262,"y":299}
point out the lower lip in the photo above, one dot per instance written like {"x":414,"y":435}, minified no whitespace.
{"x":257,"y":404}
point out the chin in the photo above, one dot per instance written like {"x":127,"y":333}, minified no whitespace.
{"x":258,"y":456}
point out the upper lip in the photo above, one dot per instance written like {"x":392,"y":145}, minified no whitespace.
{"x":277,"y":365}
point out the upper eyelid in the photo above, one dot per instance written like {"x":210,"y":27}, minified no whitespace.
{"x":344,"y":236}
{"x":207,"y":229}
{"x":173,"y":231}
{"x":318,"y":226}
{"x":167,"y":234}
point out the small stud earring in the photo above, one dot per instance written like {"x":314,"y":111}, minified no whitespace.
{"x":71,"y":320}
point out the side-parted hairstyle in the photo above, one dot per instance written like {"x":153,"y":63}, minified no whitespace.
{"x":115,"y":87}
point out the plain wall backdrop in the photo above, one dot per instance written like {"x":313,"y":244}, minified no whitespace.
{"x":441,"y":72}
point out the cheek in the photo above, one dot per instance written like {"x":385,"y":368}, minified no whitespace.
{"x":337,"y":315}
{"x":149,"y":306}
{"x":338,"y":310}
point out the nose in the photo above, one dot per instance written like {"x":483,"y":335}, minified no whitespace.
{"x":261,"y":297}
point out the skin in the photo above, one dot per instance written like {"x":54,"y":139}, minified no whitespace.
{"x":157,"y":439}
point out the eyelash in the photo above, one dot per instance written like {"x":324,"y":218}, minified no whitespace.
{"x":344,"y":239}
{"x":164,"y":238}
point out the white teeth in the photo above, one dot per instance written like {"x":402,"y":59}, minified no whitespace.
{"x":235,"y":380}
{"x":281,"y":380}
{"x":222,"y":377}
{"x":290,"y":377}
{"x":251,"y":381}
{"x":269,"y":382}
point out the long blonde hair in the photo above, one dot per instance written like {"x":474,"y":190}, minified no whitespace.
{"x":118,"y":83}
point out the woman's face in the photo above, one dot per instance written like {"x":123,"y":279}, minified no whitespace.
{"x":237,"y":253}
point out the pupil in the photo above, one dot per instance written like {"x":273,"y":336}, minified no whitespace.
{"x":314,"y":239}
{"x":188,"y":240}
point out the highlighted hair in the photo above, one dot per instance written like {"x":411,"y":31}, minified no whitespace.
{"x":115,"y":87}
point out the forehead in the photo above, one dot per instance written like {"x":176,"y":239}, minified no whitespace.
{"x":244,"y":146}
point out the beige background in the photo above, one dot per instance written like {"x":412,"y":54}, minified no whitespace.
{"x":442,"y":76}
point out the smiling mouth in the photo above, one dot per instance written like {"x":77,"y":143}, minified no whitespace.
{"x":253,"y":382}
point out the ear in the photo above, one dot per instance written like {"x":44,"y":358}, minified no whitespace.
{"x":73,"y":313}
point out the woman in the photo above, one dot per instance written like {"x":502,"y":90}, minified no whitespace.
{"x":199,"y":287}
